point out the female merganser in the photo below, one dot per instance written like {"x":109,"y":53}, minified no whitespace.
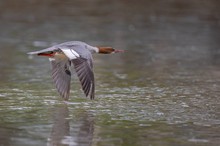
{"x":76,"y":55}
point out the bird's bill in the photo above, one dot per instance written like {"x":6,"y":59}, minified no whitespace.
{"x":118,"y":51}
{"x":108,"y":50}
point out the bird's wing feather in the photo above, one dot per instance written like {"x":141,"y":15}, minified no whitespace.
{"x":70,"y":53}
{"x":75,"y":50}
{"x":42,"y":51}
{"x":61,"y":76}
{"x":86,"y":76}
{"x":82,"y":61}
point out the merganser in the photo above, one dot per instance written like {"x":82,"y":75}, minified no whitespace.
{"x":73,"y":55}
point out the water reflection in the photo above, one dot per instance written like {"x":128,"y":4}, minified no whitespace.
{"x":71,"y":130}
{"x":5,"y":135}
{"x":61,"y":127}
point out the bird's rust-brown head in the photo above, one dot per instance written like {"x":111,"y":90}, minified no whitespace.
{"x":108,"y":50}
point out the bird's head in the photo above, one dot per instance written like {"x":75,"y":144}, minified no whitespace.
{"x":108,"y":50}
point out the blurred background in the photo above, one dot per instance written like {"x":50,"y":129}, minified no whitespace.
{"x":164,"y":90}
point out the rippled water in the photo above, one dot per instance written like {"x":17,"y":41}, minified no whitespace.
{"x":164,"y":90}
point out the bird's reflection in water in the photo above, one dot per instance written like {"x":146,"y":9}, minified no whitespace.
{"x":71,"y":131}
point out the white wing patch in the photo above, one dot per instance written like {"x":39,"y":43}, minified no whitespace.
{"x":70,"y":53}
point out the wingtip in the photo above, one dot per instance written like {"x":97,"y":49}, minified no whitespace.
{"x":92,"y":97}
{"x":92,"y":94}
{"x":65,"y":96}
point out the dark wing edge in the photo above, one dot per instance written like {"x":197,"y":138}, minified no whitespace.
{"x":61,"y":76}
{"x":86,"y":76}
{"x":42,"y":51}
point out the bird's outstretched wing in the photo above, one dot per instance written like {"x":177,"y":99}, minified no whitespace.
{"x":83,"y":65}
{"x":61,"y":76}
{"x":86,"y":76}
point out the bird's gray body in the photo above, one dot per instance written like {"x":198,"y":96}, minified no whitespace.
{"x":78,"y":55}
{"x":78,"y":46}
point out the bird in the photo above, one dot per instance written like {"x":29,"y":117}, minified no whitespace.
{"x":73,"y":56}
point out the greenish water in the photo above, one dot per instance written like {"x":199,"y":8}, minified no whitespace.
{"x":163,"y":91}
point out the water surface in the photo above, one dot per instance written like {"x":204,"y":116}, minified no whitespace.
{"x":164,"y":90}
